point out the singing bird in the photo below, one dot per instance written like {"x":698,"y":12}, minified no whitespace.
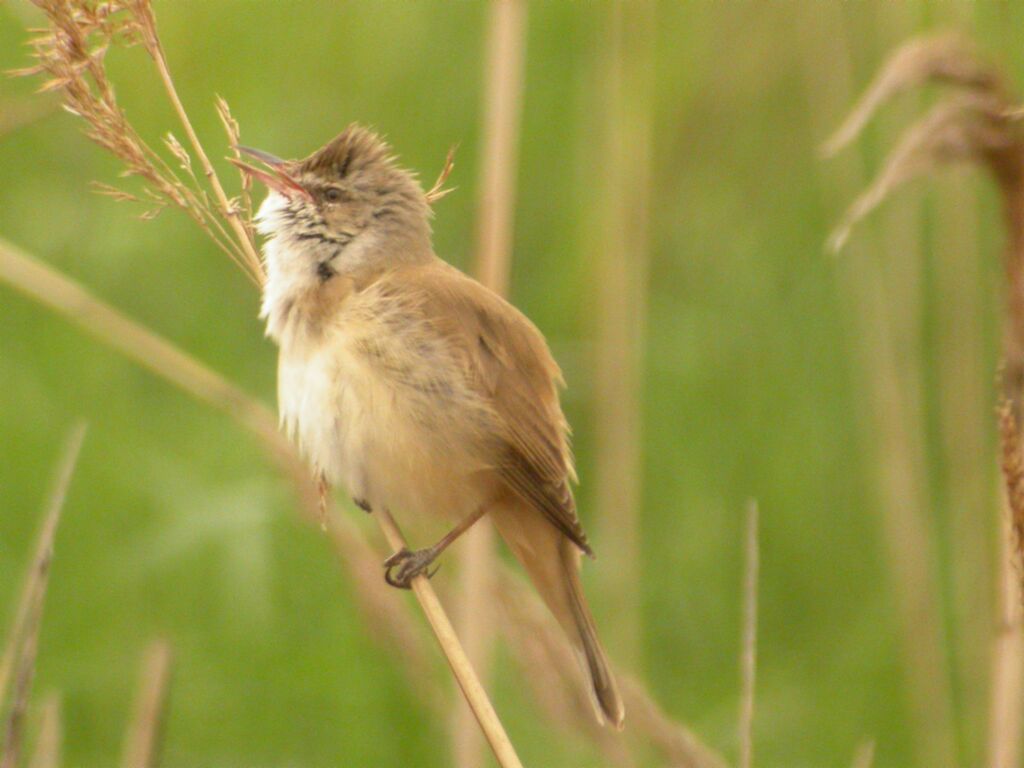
{"x":412,"y":385}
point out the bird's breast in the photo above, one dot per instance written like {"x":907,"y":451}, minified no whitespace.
{"x":382,"y":419}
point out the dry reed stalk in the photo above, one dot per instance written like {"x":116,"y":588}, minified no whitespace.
{"x":460,"y":665}
{"x":48,"y":741}
{"x":145,"y":733}
{"x":978,"y":125}
{"x":883,"y":333}
{"x":19,"y":661}
{"x":503,"y":87}
{"x":964,"y":390}
{"x":748,"y":644}
{"x":72,"y":53}
{"x":15,"y":114}
{"x":864,"y":757}
{"x":1006,"y":704}
{"x":621,"y":308}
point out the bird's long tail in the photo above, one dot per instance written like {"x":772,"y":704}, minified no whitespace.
{"x":553,"y":563}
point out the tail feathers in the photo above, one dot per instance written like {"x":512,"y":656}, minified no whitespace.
{"x":552,"y":562}
{"x":604,"y":689}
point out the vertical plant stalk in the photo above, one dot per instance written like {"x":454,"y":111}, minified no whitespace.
{"x":503,"y":89}
{"x":865,"y":755}
{"x":460,"y":665}
{"x":48,"y":742}
{"x":1005,"y":695}
{"x":964,"y":385}
{"x":19,"y":661}
{"x":748,"y":645}
{"x":621,"y":310}
{"x":243,"y":234}
{"x":895,"y":427}
{"x":145,"y":733}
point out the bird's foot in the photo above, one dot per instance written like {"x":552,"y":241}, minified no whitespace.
{"x":404,"y":566}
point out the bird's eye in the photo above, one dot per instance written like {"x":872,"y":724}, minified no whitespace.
{"x":333,"y":195}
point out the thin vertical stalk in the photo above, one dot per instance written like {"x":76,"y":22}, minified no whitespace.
{"x":1007,"y":672}
{"x":48,"y":741}
{"x":144,"y":734}
{"x":883,"y":308}
{"x":621,"y":309}
{"x":503,"y":95}
{"x":964,"y":385}
{"x":460,"y":664}
{"x":23,"y":644}
{"x":748,"y":645}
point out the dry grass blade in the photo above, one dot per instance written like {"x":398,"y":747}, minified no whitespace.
{"x":460,"y":665}
{"x":142,"y":739}
{"x":15,"y":114}
{"x":234,"y":133}
{"x":946,"y":57}
{"x":503,"y":96}
{"x":622,"y":218}
{"x":48,"y":741}
{"x":19,"y":658}
{"x":1012,"y":464}
{"x":966,"y":127}
{"x":243,"y":233}
{"x":438,"y":191}
{"x":865,"y":755}
{"x":72,"y":54}
{"x":748,"y":658}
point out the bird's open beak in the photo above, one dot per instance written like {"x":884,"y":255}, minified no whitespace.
{"x":276,"y":177}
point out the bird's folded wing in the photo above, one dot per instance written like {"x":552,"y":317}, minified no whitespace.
{"x":508,"y":362}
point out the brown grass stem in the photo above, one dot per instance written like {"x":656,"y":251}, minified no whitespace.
{"x":883,"y":304}
{"x":748,"y":644}
{"x":620,"y":309}
{"x":1006,"y":705}
{"x":460,"y":665}
{"x":145,"y":732}
{"x":243,"y":235}
{"x":503,"y":88}
{"x":48,"y":740}
{"x":864,"y":757}
{"x":19,"y":660}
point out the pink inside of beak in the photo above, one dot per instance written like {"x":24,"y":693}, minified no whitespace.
{"x":276,"y":179}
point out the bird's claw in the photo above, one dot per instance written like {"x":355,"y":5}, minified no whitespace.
{"x":405,"y":565}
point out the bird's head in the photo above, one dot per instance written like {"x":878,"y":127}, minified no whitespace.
{"x":347,"y":205}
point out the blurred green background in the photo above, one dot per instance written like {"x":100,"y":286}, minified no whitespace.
{"x":755,"y":379}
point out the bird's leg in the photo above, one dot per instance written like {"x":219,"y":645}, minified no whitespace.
{"x":404,"y":566}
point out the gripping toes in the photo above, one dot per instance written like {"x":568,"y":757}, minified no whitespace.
{"x":405,"y":565}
